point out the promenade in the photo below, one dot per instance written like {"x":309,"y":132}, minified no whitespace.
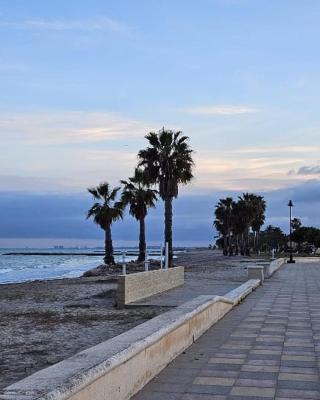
{"x":266,"y":348}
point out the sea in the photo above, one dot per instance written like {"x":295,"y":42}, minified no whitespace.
{"x":59,"y":264}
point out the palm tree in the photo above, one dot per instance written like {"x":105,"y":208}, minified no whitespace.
{"x":224,"y":222}
{"x":105,"y":212}
{"x":259,"y":208}
{"x":239,"y":226}
{"x":138,"y":194}
{"x":246,"y":203}
{"x":168,"y":162}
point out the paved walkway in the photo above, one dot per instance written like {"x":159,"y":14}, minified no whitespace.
{"x":266,"y":348}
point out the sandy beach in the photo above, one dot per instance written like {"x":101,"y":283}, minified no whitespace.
{"x":43,"y":322}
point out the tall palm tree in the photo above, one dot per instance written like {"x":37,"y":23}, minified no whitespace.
{"x":168,"y":162}
{"x":259,"y":208}
{"x":246,"y":203}
{"x":104,"y":212}
{"x":224,"y":222}
{"x":239,"y":226}
{"x":139,"y":195}
{"x":253,"y":214}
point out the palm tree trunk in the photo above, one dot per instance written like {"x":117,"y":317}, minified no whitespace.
{"x":237,"y":245}
{"x":108,"y":258}
{"x":230,"y":248}
{"x":142,"y":240}
{"x":242,"y":251}
{"x":168,"y":226}
{"x":247,"y":248}
{"x":225,"y":245}
{"x":258,"y":241}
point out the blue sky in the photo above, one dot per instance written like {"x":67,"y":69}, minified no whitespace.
{"x":83,"y":81}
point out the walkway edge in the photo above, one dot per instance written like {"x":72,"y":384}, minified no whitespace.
{"x":118,"y":368}
{"x":274,"y":266}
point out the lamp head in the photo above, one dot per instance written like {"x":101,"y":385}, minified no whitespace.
{"x":290,"y":204}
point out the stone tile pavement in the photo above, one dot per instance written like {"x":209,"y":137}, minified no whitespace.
{"x":266,"y":348}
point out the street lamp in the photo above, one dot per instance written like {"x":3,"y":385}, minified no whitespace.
{"x":290,"y":205}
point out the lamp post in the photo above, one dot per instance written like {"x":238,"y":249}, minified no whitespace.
{"x":290,"y":205}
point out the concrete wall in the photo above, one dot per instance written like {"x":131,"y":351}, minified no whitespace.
{"x":274,"y":266}
{"x":120,"y":367}
{"x":306,"y":259}
{"x":279,"y":262}
{"x":137,"y":286}
{"x":256,"y":272}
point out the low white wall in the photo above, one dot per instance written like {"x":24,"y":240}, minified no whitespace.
{"x":279,"y":262}
{"x":274,"y":266}
{"x":120,"y":367}
{"x":133,"y":287}
{"x":256,"y":272}
{"x":307,"y":259}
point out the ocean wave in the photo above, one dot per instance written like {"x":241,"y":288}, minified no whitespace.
{"x":5,"y":270}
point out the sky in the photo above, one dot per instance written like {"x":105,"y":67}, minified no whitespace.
{"x":82,"y":82}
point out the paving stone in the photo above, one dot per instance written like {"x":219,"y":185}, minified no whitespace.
{"x":263,"y":362}
{"x":259,"y":383}
{"x":299,"y":385}
{"x":299,"y":371}
{"x":208,"y":389}
{"x":200,"y":396}
{"x":236,"y":346}
{"x":252,"y":391}
{"x":265,"y":352}
{"x":298,"y":358}
{"x":215,"y":381}
{"x":259,"y":368}
{"x":258,"y":375}
{"x":218,"y":373}
{"x":218,"y":360}
{"x":285,"y":376}
{"x":230,"y":355}
{"x":298,"y":394}
{"x":166,"y":387}
{"x":146,"y":395}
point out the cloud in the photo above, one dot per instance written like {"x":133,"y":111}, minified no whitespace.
{"x":220,"y":110}
{"x":70,"y":127}
{"x":306,"y":170}
{"x":68,"y":170}
{"x":26,"y":215}
{"x":278,"y":149}
{"x":87,"y":25}
{"x":230,"y":171}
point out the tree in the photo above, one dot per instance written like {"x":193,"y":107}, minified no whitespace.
{"x":104,"y":212}
{"x":224,"y":222}
{"x":296,"y":223}
{"x":307,"y":235}
{"x":273,"y":238}
{"x":139,"y":195}
{"x":239,"y":222}
{"x":259,"y":208}
{"x":168,"y":162}
{"x":234,"y":220}
{"x":247,"y":206}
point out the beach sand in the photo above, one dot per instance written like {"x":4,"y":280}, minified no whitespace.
{"x":43,"y":322}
